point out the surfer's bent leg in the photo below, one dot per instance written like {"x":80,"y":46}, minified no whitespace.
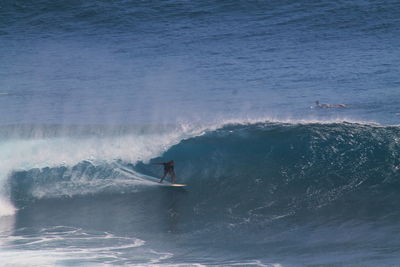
{"x":162,"y":178}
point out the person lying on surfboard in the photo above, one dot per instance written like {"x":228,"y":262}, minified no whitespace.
{"x":168,"y":170}
{"x":318,"y":105}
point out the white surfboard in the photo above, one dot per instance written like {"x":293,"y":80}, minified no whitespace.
{"x":177,"y":185}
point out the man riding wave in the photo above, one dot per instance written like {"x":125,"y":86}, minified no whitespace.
{"x":168,"y":170}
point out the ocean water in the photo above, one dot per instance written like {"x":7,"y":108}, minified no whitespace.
{"x":91,"y":92}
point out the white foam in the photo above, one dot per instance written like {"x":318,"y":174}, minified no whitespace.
{"x":25,"y":154}
{"x":254,"y":120}
{"x":6,"y":208}
{"x":62,"y":245}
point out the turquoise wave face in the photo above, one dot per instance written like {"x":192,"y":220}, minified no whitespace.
{"x":258,"y":171}
{"x":286,"y":169}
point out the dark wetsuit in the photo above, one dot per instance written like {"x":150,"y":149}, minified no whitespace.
{"x":168,"y":168}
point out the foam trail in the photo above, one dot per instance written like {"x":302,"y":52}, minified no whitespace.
{"x":88,"y":247}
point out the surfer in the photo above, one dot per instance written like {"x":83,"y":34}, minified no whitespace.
{"x":318,"y":105}
{"x":168,"y":170}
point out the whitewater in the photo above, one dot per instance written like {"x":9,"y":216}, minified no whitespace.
{"x":51,"y":147}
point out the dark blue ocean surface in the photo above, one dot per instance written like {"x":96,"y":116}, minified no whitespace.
{"x":134,"y":60}
{"x":92,"y":91}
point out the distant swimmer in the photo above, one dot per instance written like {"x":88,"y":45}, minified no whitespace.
{"x":318,"y":105}
{"x":168,"y":170}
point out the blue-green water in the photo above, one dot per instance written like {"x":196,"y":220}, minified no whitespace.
{"x":91,"y":92}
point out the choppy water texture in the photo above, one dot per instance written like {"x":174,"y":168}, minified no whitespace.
{"x":92,"y":91}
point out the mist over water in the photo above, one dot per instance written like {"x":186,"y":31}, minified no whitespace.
{"x":92,"y":92}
